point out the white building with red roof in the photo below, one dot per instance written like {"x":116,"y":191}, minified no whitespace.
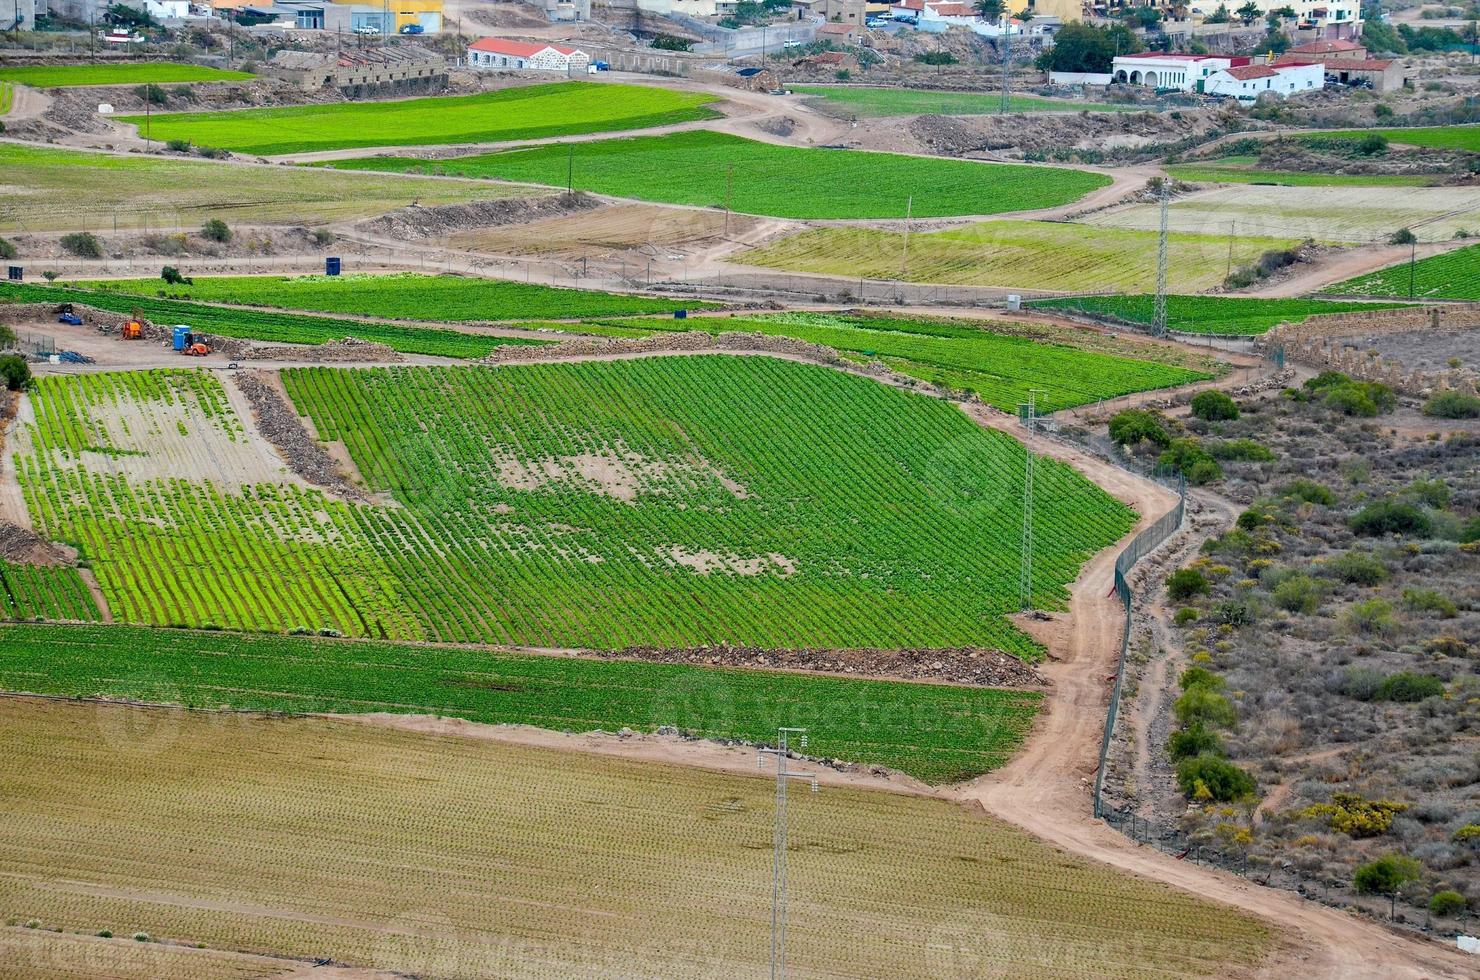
{"x":1248,"y":82}
{"x":502,"y":54}
{"x":1164,"y":70}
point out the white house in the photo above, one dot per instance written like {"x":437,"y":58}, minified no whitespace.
{"x":493,"y":53}
{"x":1246,"y":83}
{"x":1159,"y":69}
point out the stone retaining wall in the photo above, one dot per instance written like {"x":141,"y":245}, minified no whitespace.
{"x":1324,"y":342}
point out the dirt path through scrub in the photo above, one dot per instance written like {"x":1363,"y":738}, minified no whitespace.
{"x":1045,"y":789}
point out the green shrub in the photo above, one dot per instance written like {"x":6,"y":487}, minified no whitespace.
{"x":1350,"y":399}
{"x":1233,"y":612}
{"x":1372,"y":618}
{"x":1185,"y":615}
{"x":1358,"y":568}
{"x":7,"y":249}
{"x":1392,"y":517}
{"x":1201,"y":706}
{"x":1354,"y":815}
{"x":1446,"y":903}
{"x":1464,"y":835}
{"x":1241,"y":450}
{"x":1434,"y":492}
{"x":1386,"y":875}
{"x":1194,"y":462}
{"x":1429,"y":600}
{"x":1447,"y":405}
{"x":1199,"y":677}
{"x":216,"y":230}
{"x":153,"y":94}
{"x":1185,"y":583}
{"x":1361,"y":683}
{"x":83,"y":244}
{"x":1185,"y":743}
{"x":1214,"y":406}
{"x":178,"y":146}
{"x":15,"y":372}
{"x":1407,"y":687}
{"x":1403,"y":237}
{"x":1135,"y":425}
{"x":1308,"y":491}
{"x":1326,"y":379}
{"x":1224,"y":781}
{"x":1298,"y":594}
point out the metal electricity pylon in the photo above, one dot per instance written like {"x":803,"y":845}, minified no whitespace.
{"x":1159,"y":320}
{"x":778,"y":840}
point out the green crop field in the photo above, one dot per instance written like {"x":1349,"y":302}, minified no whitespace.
{"x":40,"y":592}
{"x":130,"y":73}
{"x":525,"y":113}
{"x":1020,"y":254}
{"x":7,"y":96}
{"x":1436,"y":137}
{"x":669,"y":501}
{"x":47,"y":189}
{"x":410,"y":296}
{"x":996,"y":360}
{"x":1452,"y":275}
{"x":1246,"y":170}
{"x":937,"y":733}
{"x":706,"y":169}
{"x":1233,"y":315}
{"x":863,"y":101}
{"x":282,"y":328}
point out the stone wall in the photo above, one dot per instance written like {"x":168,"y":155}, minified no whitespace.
{"x":1327,"y":342}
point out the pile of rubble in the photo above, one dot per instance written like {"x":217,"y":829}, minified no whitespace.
{"x":347,"y":349}
{"x":408,"y":223}
{"x":24,"y":547}
{"x":957,"y":665}
{"x":284,"y":429}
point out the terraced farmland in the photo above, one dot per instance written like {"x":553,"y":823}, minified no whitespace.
{"x":666,"y":501}
{"x":1233,"y":315}
{"x":1452,"y":275}
{"x":1246,"y":170}
{"x":1328,"y":214}
{"x":1020,"y":254}
{"x":49,"y":189}
{"x":708,"y":169}
{"x":937,"y":733}
{"x":522,"y":113}
{"x":284,"y":328}
{"x":132,"y":73}
{"x":448,"y":856}
{"x":402,"y":295}
{"x":861,"y":100}
{"x":41,"y":592}
{"x":1437,"y":137}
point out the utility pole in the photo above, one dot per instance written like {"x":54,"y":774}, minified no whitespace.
{"x":1159,"y":321}
{"x":1025,"y":570}
{"x":1229,"y":269}
{"x":1006,"y":63}
{"x":570,"y":170}
{"x":1412,"y":260}
{"x":729,"y":185}
{"x":904,"y":265}
{"x":778,"y":841}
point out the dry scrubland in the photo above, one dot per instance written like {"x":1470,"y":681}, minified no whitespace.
{"x":445,"y":856}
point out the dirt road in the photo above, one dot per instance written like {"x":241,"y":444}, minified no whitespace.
{"x":1045,"y":788}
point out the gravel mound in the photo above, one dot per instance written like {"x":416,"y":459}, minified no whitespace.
{"x":284,"y":429}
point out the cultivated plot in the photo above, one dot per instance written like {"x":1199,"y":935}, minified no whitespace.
{"x":46,"y":189}
{"x":1232,"y":315}
{"x":1246,"y":170}
{"x":1331,"y":214}
{"x":614,"y":228}
{"x":133,"y":73}
{"x":1453,"y":275}
{"x":1020,"y":254}
{"x":937,"y":733}
{"x":1438,"y":137}
{"x":445,"y":856}
{"x":669,"y":501}
{"x":709,"y":169}
{"x":528,"y":112}
{"x":859,"y":100}
{"x":406,"y":295}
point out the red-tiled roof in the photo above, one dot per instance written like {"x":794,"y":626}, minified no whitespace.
{"x":835,"y":29}
{"x":1246,"y":73}
{"x":1353,"y":64}
{"x":911,"y":4}
{"x":953,"y":9}
{"x":515,"y":49}
{"x":1325,"y":47}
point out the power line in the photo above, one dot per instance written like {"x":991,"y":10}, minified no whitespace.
{"x":778,"y":841}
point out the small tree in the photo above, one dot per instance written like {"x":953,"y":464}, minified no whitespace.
{"x":7,"y":337}
{"x":1135,"y":425}
{"x":172,"y":276}
{"x":1185,"y":583}
{"x":1249,"y":12}
{"x":215,"y":229}
{"x":1447,"y":903}
{"x":50,"y":275}
{"x":7,"y":249}
{"x":1387,"y":876}
{"x":83,"y":244}
{"x":1214,"y":406}
{"x":1403,"y":237}
{"x":15,"y":372}
{"x":990,"y":10}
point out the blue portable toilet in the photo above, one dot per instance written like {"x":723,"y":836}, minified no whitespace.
{"x":680,"y":314}
{"x":331,"y":265}
{"x":15,"y":273}
{"x":181,"y":337}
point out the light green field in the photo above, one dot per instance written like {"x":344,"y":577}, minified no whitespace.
{"x":1023,"y":254}
{"x":1438,"y":137}
{"x":1325,"y":214}
{"x":525,"y":113}
{"x":129,"y":73}
{"x":7,"y":97}
{"x":1228,"y":315}
{"x":708,"y":169}
{"x":863,"y":101}
{"x":45,"y":189}
{"x":1453,"y":275}
{"x":1246,"y":170}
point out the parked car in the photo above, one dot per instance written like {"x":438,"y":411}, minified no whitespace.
{"x":412,"y":29}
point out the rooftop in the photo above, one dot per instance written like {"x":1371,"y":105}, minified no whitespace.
{"x":1326,"y":47}
{"x":1245,"y":73}
{"x":516,"y":49}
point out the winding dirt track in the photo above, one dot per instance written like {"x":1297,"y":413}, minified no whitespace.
{"x":1045,"y":788}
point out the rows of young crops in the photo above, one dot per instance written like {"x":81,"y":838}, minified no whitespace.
{"x":1452,"y":275}
{"x":406,"y":295}
{"x":132,"y":73}
{"x":1463,"y":137}
{"x":1246,"y":170}
{"x":520,"y":113}
{"x":1232,"y":315}
{"x":937,"y":733}
{"x":42,"y":592}
{"x":896,"y":516}
{"x":7,"y":96}
{"x":710,"y":169}
{"x":865,"y":101}
{"x":284,"y":328}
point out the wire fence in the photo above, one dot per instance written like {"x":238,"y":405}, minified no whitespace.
{"x":1139,"y":547}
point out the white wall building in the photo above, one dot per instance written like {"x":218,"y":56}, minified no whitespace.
{"x":1246,"y":83}
{"x":496,"y":53}
{"x":1158,"y":69}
